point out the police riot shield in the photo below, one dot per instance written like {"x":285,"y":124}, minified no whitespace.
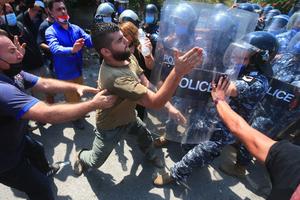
{"x":277,"y":24}
{"x":280,"y":107}
{"x":190,"y":116}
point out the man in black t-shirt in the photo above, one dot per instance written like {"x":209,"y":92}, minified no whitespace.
{"x":32,"y":18}
{"x":281,"y":158}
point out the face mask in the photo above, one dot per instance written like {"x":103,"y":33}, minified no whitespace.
{"x":14,"y":69}
{"x":181,"y":30}
{"x":149,"y":19}
{"x":240,"y":68}
{"x":120,"y":9}
{"x":63,"y":19}
{"x":11,"y":19}
{"x":106,"y":19}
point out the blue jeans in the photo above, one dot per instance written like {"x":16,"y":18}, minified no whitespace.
{"x":28,"y":179}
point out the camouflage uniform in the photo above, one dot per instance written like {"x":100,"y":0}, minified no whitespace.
{"x":284,"y":39}
{"x":269,"y":117}
{"x":251,"y":89}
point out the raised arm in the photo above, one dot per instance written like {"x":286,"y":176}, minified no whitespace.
{"x":183,"y":65}
{"x":256,"y":142}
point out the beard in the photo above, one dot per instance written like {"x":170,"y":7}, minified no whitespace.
{"x":121,"y":56}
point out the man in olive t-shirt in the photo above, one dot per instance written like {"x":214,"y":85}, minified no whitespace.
{"x":121,"y":75}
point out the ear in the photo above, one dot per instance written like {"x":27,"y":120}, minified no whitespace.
{"x":105,"y":52}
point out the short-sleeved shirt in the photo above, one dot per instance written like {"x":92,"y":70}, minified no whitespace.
{"x":14,"y":103}
{"x":124,"y":82}
{"x":283,"y":165}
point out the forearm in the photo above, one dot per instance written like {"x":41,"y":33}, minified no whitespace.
{"x":45,"y":47}
{"x":166,"y":91}
{"x":257,"y":143}
{"x":54,"y":86}
{"x":149,"y":61}
{"x":59,"y":113}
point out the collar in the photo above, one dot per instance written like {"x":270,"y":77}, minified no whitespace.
{"x":57,"y":25}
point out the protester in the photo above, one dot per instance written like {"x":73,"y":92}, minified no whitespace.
{"x":16,"y":107}
{"x":66,"y":41}
{"x":121,"y":75}
{"x":32,"y":18}
{"x":281,"y":158}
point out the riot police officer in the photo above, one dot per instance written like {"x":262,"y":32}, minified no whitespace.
{"x":280,"y":108}
{"x":131,"y":16}
{"x":260,"y":63}
{"x":151,"y":24}
{"x":121,"y":6}
{"x":105,"y":13}
{"x":293,"y":27}
{"x":250,"y":57}
{"x":277,"y":24}
{"x":246,"y":6}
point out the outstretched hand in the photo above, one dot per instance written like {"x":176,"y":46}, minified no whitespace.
{"x":186,"y":62}
{"x":83,"y":89}
{"x":177,"y":116}
{"x":20,"y":48}
{"x":219,"y":90}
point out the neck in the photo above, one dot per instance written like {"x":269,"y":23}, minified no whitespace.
{"x":65,"y":26}
{"x":50,"y":19}
{"x":31,"y":15}
{"x":116,"y":63}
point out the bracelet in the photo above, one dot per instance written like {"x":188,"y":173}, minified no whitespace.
{"x":216,"y":101}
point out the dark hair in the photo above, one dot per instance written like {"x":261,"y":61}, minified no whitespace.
{"x":50,"y":3}
{"x":101,"y":35}
{"x":3,"y":33}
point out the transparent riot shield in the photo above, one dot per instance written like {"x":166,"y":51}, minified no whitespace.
{"x":280,"y":107}
{"x":191,"y":117}
{"x":277,"y":24}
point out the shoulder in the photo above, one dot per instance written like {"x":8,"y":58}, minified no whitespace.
{"x":7,"y":90}
{"x":50,"y":29}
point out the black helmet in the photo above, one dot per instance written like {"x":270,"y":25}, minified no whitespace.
{"x":266,"y":46}
{"x":246,"y":6}
{"x":266,"y":9}
{"x":254,"y":52}
{"x":131,"y":16}
{"x":105,"y":13}
{"x":275,"y":12}
{"x":185,"y":14}
{"x":151,"y":14}
{"x":151,"y":8}
{"x":257,"y":8}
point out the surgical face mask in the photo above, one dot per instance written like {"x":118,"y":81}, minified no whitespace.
{"x":14,"y":69}
{"x":11,"y":19}
{"x":181,"y":30}
{"x":149,"y":19}
{"x":121,"y":9}
{"x":240,"y":68}
{"x":63,"y":19}
{"x":106,"y":19}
